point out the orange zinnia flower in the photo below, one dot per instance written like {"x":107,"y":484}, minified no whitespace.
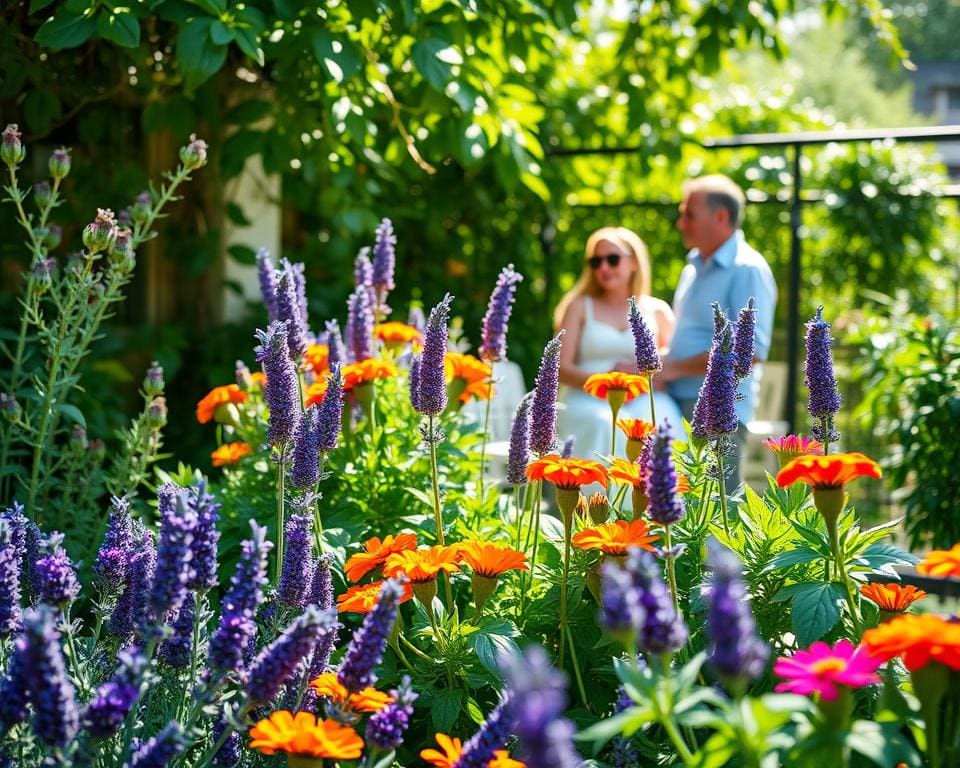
{"x":317,"y":357}
{"x":627,"y":473}
{"x":377,"y":551}
{"x":827,"y":472}
{"x":315,"y":393}
{"x":230,"y":453}
{"x":631,"y":384}
{"x":941,"y":563}
{"x":894,"y":598}
{"x":918,"y":638}
{"x":304,"y":735}
{"x":636,"y":429}
{"x":367,"y":700}
{"x":366,"y":370}
{"x":453,"y":747}
{"x":362,"y":597}
{"x":617,"y":537}
{"x":424,"y":564}
{"x":207,"y":407}
{"x":398,"y":332}
{"x":491,"y":560}
{"x":567,"y":473}
{"x":474,"y":373}
{"x":788,"y":447}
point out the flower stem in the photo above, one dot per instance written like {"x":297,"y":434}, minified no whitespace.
{"x":486,"y":435}
{"x":437,"y":510}
{"x":722,"y":487}
{"x":653,"y":406}
{"x":844,"y":578}
{"x":280,"y":516}
{"x":671,"y":568}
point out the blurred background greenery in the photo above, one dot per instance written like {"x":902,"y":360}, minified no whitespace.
{"x":446,"y":116}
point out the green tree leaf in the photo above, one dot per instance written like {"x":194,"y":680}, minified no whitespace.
{"x":65,"y":30}
{"x":815,"y":611}
{"x":120,"y":27}
{"x":73,"y":413}
{"x":431,"y":61}
{"x":339,"y":56}
{"x":446,"y":709}
{"x":198,"y":57}
{"x":249,"y":42}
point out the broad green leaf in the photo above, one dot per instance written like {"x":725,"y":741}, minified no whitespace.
{"x":220,"y":33}
{"x":625,"y":723}
{"x":73,"y":413}
{"x":446,"y":709}
{"x":489,"y":647}
{"x":815,"y":610}
{"x":883,"y":743}
{"x":418,"y":494}
{"x":432,"y":61}
{"x":717,"y":751}
{"x":120,"y":27}
{"x":39,"y":5}
{"x":338,"y":55}
{"x":242,"y":254}
{"x":249,"y":42}
{"x":792,"y":557}
{"x":65,"y":30}
{"x":236,"y":215}
{"x":198,"y":57}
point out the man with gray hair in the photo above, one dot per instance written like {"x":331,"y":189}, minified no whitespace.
{"x":720,"y":267}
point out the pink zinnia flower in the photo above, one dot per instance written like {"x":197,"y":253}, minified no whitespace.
{"x":790,"y":447}
{"x":820,"y":669}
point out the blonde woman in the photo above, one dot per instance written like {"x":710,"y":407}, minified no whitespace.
{"x":598,"y":339}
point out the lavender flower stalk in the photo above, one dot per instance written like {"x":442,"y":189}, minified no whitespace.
{"x":298,"y":270}
{"x":139,"y":574}
{"x":644,"y":344}
{"x":414,"y":383}
{"x":543,"y":409}
{"x":519,"y":454}
{"x":237,"y":625}
{"x":161,"y":749}
{"x":416,"y":318}
{"x":268,"y":284}
{"x":112,"y":702}
{"x":663,"y":630}
{"x":10,"y":560}
{"x":621,"y":612}
{"x":14,"y":697}
{"x":493,"y":347}
{"x":175,"y":650}
{"x":744,"y":340}
{"x":305,"y":467}
{"x":357,"y":671}
{"x":50,"y":691}
{"x":386,"y":728}
{"x":715,"y":413}
{"x":206,"y":538}
{"x":665,"y":505}
{"x":492,"y":736}
{"x":280,"y":390}
{"x":279,"y":660}
{"x":824,"y":398}
{"x":174,"y":567}
{"x":360,"y":324}
{"x":330,"y":415}
{"x":566,"y":451}
{"x":363,"y":270}
{"x":56,"y":580}
{"x":232,"y":750}
{"x":336,"y":354}
{"x":321,"y":595}
{"x":288,"y":307}
{"x":384,"y":263}
{"x":297,"y":570}
{"x":431,"y":398}
{"x":736,"y":653}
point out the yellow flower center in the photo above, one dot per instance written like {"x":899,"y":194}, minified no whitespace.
{"x":829,"y":666}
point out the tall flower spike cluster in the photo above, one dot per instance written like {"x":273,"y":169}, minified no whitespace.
{"x":664,"y":504}
{"x":175,"y":650}
{"x":715,"y":413}
{"x":431,"y":397}
{"x":543,"y":409}
{"x":280,"y":389}
{"x":336,"y":354}
{"x":297,"y":570}
{"x":363,"y":270}
{"x":268,"y":284}
{"x":177,"y":525}
{"x":305,"y":466}
{"x":289,"y":310}
{"x":330,"y":415}
{"x":159,"y":750}
{"x":360,"y":324}
{"x":357,"y":671}
{"x":55,"y":580}
{"x":206,"y":538}
{"x":744,"y":340}
{"x":538,"y":696}
{"x":644,"y":344}
{"x":386,"y":727}
{"x":384,"y":264}
{"x":110,"y":565}
{"x":132,"y":603}
{"x":519,"y":452}
{"x":10,"y":559}
{"x":736,"y":653}
{"x":823,"y":403}
{"x":113,"y":699}
{"x":493,"y":346}
{"x":492,"y":737}
{"x":661,"y":629}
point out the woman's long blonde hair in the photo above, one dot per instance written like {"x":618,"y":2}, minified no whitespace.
{"x":626,"y":240}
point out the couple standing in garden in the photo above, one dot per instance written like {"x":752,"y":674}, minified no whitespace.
{"x":721,"y":267}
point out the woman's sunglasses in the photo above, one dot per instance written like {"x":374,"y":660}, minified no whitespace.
{"x":611,"y":258}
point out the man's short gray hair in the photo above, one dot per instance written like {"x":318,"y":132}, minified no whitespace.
{"x":722,"y":192}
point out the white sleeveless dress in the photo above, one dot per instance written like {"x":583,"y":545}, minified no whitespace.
{"x":588,"y":418}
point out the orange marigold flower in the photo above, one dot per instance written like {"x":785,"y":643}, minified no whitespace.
{"x":207,"y":407}
{"x":317,"y":357}
{"x":631,"y":383}
{"x":636,"y":429}
{"x":918,"y":638}
{"x":630,"y":473}
{"x":617,"y":537}
{"x":302,"y":734}
{"x":362,"y":597}
{"x":788,"y":447}
{"x":474,"y":373}
{"x":941,"y":563}
{"x":453,"y":747}
{"x":367,"y":700}
{"x":398,"y":332}
{"x":230,"y":453}
{"x":895,"y":598}
{"x":366,"y":370}
{"x":315,"y":393}
{"x":567,"y":473}
{"x":376,"y":552}
{"x":424,"y":564}
{"x":491,"y":560}
{"x":832,"y":471}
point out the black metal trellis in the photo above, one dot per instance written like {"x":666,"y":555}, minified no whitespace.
{"x":796,"y":141}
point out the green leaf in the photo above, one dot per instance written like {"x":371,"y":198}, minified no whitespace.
{"x":220,"y":33}
{"x":815,"y":611}
{"x":717,"y":751}
{"x":626,"y":723}
{"x":883,"y":557}
{"x":248,"y":41}
{"x":490,"y":647}
{"x":242,"y":254}
{"x":198,"y":57}
{"x":39,"y":5}
{"x":418,"y":494}
{"x":429,"y":59}
{"x":237,"y":148}
{"x":446,"y":709}
{"x":65,"y":30}
{"x":792,"y":557}
{"x":73,"y":413}
{"x":552,"y":527}
{"x":337,"y":54}
{"x":884,"y":744}
{"x":120,"y":27}
{"x":236,"y":215}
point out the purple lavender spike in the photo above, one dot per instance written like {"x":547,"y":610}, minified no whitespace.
{"x":432,"y":391}
{"x":110,"y":565}
{"x":384,"y":264}
{"x":297,"y":570}
{"x":160,"y":749}
{"x":10,"y":560}
{"x":663,"y":631}
{"x":493,"y":347}
{"x":206,"y":538}
{"x":360,"y":325}
{"x":174,"y":568}
{"x":113,"y":699}
{"x":543,"y":409}
{"x":305,"y":467}
{"x":288,"y":307}
{"x":268,"y":284}
{"x":715,"y":413}
{"x":644,"y":344}
{"x":131,"y":605}
{"x":665,"y":505}
{"x":824,"y":398}
{"x":280,"y":391}
{"x":743,"y":340}
{"x":55,"y":578}
{"x":493,"y":735}
{"x":330,"y":414}
{"x":519,"y":454}
{"x":175,"y":651}
{"x":363,"y":270}
{"x":358,"y":669}
{"x":336,"y":354}
{"x":50,"y":691}
{"x":386,"y":728}
{"x":413,"y":383}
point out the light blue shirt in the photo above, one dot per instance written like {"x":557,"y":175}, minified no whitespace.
{"x":734,"y":274}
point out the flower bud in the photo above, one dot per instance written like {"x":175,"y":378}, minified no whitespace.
{"x":194,"y":154}
{"x":97,"y":450}
{"x":42,"y":274}
{"x":140,"y":209}
{"x":59,"y":163}
{"x":153,"y":382}
{"x":12,"y":151}
{"x":599,"y":507}
{"x":121,"y":247}
{"x":157,"y":413}
{"x":78,"y":439}
{"x":582,"y":507}
{"x":101,"y":232}
{"x":9,"y":407}
{"x":52,"y":236}
{"x":42,"y":193}
{"x":125,"y":218}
